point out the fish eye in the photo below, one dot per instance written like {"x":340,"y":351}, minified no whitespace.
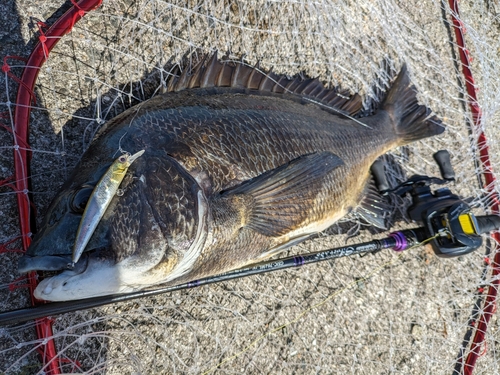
{"x":80,"y":199}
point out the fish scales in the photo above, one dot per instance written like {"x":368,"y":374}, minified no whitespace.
{"x":248,"y":141}
{"x":229,"y":176}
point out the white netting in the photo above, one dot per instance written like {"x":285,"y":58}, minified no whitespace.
{"x":377,"y":314}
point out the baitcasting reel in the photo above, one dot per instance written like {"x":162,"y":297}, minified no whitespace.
{"x":446,"y":218}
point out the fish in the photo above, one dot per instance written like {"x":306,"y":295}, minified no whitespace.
{"x":239,"y":164}
{"x":99,"y":201}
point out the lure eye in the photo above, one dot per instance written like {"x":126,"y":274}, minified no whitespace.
{"x":80,"y":199}
{"x":122,"y":159}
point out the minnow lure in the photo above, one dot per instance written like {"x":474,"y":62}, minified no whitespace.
{"x":99,"y":201}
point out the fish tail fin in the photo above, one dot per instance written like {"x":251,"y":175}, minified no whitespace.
{"x":412,"y":121}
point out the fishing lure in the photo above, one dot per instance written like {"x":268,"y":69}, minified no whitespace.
{"x":99,"y":201}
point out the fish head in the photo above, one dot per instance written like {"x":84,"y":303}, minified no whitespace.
{"x":152,"y":232}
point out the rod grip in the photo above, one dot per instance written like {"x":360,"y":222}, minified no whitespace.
{"x":487,"y":223}
{"x":443,"y":161}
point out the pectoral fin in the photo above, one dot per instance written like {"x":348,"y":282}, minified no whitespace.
{"x":280,"y":200}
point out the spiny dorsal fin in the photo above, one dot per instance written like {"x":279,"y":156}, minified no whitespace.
{"x":211,"y":72}
{"x":197,"y":76}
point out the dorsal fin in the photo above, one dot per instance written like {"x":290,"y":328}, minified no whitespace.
{"x":211,"y":72}
{"x":196,"y":79}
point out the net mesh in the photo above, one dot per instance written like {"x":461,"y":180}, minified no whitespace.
{"x":383,"y":313}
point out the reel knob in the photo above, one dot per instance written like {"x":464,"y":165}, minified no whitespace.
{"x":443,"y":161}
{"x":378,"y":172}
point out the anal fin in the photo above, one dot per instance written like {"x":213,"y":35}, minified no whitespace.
{"x":374,"y":208}
{"x":278,"y":249}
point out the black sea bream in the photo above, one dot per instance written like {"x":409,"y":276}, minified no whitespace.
{"x":238,"y":165}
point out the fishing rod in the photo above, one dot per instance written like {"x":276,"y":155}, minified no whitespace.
{"x":399,"y":241}
{"x":448,"y":225}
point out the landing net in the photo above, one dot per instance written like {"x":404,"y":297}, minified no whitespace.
{"x":408,"y":314}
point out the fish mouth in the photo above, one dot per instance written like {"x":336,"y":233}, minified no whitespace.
{"x":51,"y":263}
{"x":96,"y":277}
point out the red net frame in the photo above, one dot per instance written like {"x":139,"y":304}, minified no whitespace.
{"x":489,"y":186}
{"x":25,"y":95}
{"x":22,"y":155}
